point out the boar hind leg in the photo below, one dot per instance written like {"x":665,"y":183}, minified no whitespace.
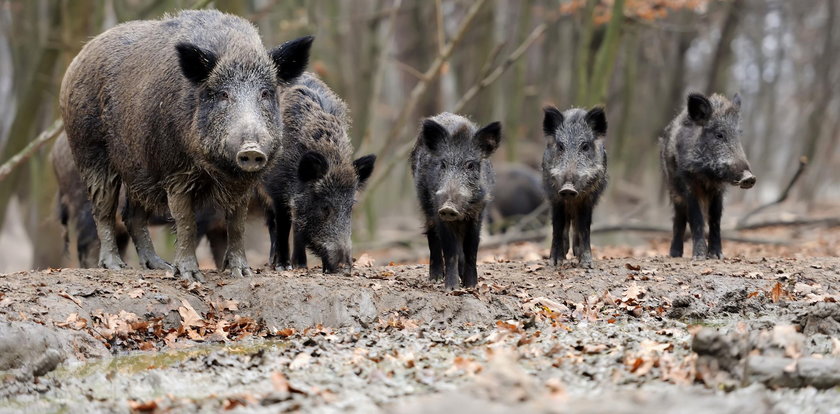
{"x":435,"y":253}
{"x":697,"y":225}
{"x":469,"y":274}
{"x":104,"y":190}
{"x":235,"y":255}
{"x":186,"y":265}
{"x":451,"y":256}
{"x":715,"y":211}
{"x":280,"y":236}
{"x":136,"y":221}
{"x":680,"y":210}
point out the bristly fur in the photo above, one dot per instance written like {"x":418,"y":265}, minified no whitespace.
{"x":453,"y":175}
{"x":313,"y":186}
{"x":700,"y":153}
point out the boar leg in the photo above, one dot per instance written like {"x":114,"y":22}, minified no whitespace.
{"x":217,"y":238}
{"x":560,"y":233}
{"x":715,"y":211}
{"x":137,"y":221}
{"x":450,"y":247}
{"x":299,"y":252}
{"x":186,"y":265}
{"x":280,"y":235}
{"x":435,"y":253}
{"x":471,"y":240}
{"x":235,"y":255}
{"x":583,"y":222}
{"x":104,"y":190}
{"x":697,"y":225}
{"x":680,"y":210}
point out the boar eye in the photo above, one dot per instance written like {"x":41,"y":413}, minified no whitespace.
{"x":719,"y":135}
{"x":472,"y":165}
{"x":584,"y":146}
{"x":223,"y":95}
{"x":443,"y":164}
{"x":265,"y":94}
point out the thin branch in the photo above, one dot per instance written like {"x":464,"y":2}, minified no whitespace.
{"x":803,"y":163}
{"x":826,"y":222}
{"x":46,"y":136}
{"x":409,"y":69}
{"x":441,"y":36}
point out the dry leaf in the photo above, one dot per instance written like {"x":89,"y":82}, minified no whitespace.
{"x":189,"y":315}
{"x":136,"y":293}
{"x":71,"y":297}
{"x":365,"y":260}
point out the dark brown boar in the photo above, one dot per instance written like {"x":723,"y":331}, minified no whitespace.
{"x":183,"y":111}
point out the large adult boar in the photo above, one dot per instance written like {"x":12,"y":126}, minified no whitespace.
{"x":454,"y":178}
{"x":574,"y":175}
{"x":183,"y":111}
{"x":313,"y":186}
{"x":701,"y":153}
{"x":76,"y":214}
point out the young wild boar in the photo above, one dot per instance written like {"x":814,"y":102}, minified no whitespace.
{"x":701,"y":152}
{"x":76,"y":214}
{"x":183,"y":111}
{"x":574,"y":176}
{"x":314,"y":183}
{"x":454,"y":178}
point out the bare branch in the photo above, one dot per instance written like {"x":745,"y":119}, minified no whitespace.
{"x":44,"y":137}
{"x":803,"y":163}
{"x":408,"y":68}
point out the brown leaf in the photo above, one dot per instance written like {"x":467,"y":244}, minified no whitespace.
{"x":365,"y":260}
{"x":188,"y":314}
{"x":279,"y":381}
{"x":631,"y":266}
{"x":143,"y":406}
{"x":71,"y":297}
{"x":633,"y":292}
{"x":147,"y":346}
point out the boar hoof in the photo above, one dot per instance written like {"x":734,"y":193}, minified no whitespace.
{"x":698,"y":257}
{"x":715,"y":255}
{"x":240,"y":272}
{"x":192,"y":276}
{"x":156,"y":263}
{"x":112,"y":262}
{"x":586,"y":264}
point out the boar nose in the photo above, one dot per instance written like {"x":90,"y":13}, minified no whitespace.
{"x":449,"y":213}
{"x":568,"y":190}
{"x":250,"y":158}
{"x":747,"y":180}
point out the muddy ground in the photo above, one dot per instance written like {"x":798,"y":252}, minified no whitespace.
{"x":739,"y":335}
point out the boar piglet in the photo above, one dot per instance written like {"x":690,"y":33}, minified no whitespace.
{"x":454,"y":179}
{"x":313,"y":186}
{"x":574,"y":176}
{"x":701,"y":153}
{"x":183,"y":112}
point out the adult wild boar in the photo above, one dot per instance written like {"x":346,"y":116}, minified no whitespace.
{"x":183,"y":111}
{"x":314,"y":183}
{"x":701,"y":153}
{"x":574,"y":175}
{"x":454,"y":178}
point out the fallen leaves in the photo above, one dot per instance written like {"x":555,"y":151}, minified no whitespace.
{"x":365,"y":260}
{"x":71,"y":297}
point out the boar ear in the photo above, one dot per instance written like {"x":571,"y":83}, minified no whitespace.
{"x":364,"y":168}
{"x":488,"y":138}
{"x":291,"y":58}
{"x":312,"y":166}
{"x":597,"y":120}
{"x":552,"y":120}
{"x":736,"y":100}
{"x":699,"y":108}
{"x":196,"y":63}
{"x":433,"y":134}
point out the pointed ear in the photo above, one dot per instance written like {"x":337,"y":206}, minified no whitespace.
{"x":597,"y":120}
{"x":312,"y":166}
{"x":488,"y":138}
{"x":552,"y":120}
{"x":433,"y":134}
{"x":699,"y":108}
{"x":291,"y":58}
{"x":196,"y":63}
{"x":364,"y":168}
{"x":736,"y":100}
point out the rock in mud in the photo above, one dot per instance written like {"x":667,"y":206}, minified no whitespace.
{"x":32,"y":350}
{"x":820,"y":318}
{"x":778,"y":372}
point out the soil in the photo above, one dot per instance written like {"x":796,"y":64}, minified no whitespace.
{"x":631,"y":334}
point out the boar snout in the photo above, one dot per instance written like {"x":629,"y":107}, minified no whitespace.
{"x":250,"y":158}
{"x":568,"y":190}
{"x":747,"y":179}
{"x":449,"y":212}
{"x":338,"y":260}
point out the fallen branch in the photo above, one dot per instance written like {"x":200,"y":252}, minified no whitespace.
{"x":803,"y":163}
{"x":827,"y":222}
{"x":43,"y":138}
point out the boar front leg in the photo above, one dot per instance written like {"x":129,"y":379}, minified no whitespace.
{"x":471,"y":240}
{"x":582,"y":227}
{"x":435,"y":253}
{"x":235,"y":256}
{"x":715,"y":211}
{"x":451,"y":250}
{"x":186,"y":265}
{"x":560,"y":233}
{"x":282,"y":220}
{"x":680,"y":210}
{"x":697,"y":225}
